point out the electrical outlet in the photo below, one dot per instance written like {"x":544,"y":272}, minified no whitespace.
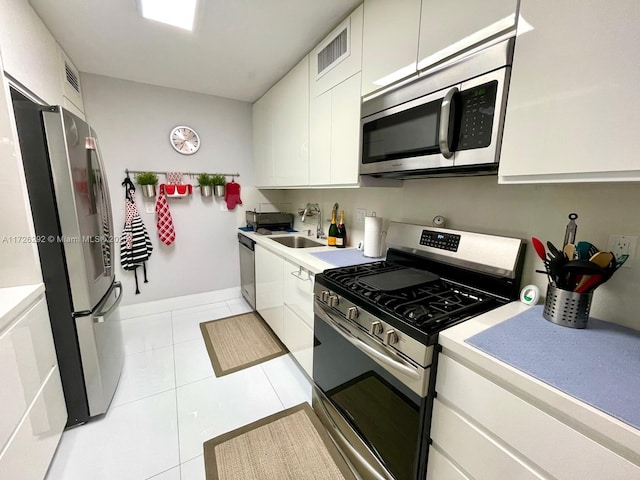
{"x":623,"y":245}
{"x":360,"y":214}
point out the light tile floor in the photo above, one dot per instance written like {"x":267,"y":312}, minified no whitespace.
{"x":169,"y":402}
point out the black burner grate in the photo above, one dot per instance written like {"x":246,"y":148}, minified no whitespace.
{"x":430,"y":306}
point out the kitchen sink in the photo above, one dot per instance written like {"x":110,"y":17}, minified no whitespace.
{"x":297,"y":242}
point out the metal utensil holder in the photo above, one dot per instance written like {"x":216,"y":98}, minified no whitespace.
{"x":566,"y":308}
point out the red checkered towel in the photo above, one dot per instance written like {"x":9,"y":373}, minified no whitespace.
{"x":165,"y":223}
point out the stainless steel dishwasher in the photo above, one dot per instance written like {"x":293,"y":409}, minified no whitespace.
{"x":247,"y":269}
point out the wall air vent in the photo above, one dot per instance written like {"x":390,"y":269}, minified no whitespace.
{"x":336,"y":50}
{"x":72,"y":77}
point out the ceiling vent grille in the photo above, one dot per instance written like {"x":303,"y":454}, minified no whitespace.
{"x":72,"y":77}
{"x":334,"y":52}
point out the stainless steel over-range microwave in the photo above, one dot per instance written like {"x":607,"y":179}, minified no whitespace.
{"x":448,"y":121}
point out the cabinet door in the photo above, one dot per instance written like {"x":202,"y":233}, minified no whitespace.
{"x":29,"y":51}
{"x":269,"y":288}
{"x":346,"y":64}
{"x":320,"y":140}
{"x":291,"y":127}
{"x":345,"y":131}
{"x":298,"y":338}
{"x":298,"y":291}
{"x":449,"y":27}
{"x":262,"y":141}
{"x":389,"y":42}
{"x":573,"y":112}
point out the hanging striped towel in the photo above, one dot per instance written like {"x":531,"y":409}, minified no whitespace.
{"x":166,"y":233}
{"x":135,"y":244}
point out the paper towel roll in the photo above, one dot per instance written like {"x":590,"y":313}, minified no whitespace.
{"x":372,"y":236}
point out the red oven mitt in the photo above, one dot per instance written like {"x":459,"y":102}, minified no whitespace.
{"x":232,"y":195}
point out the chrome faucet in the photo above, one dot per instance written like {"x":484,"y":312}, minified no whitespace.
{"x":313,"y":209}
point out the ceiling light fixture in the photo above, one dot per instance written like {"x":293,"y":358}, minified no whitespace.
{"x":179,"y":13}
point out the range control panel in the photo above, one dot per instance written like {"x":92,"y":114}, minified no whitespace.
{"x":444,"y":241}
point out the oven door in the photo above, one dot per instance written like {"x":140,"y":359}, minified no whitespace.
{"x":367,"y":408}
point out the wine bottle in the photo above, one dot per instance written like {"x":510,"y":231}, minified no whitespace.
{"x":341,"y":237}
{"x":333,"y":230}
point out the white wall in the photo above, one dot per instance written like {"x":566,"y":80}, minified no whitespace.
{"x":480,"y":204}
{"x":133,"y":122}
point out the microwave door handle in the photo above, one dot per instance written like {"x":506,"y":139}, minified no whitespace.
{"x":445,"y":114}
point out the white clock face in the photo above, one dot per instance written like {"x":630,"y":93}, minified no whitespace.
{"x":185,"y":140}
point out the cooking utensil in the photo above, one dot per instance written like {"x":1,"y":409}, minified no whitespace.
{"x":554,"y":251}
{"x":542,"y":253}
{"x":602,"y":259}
{"x":588,"y":283}
{"x":585,"y":250}
{"x":570,"y":232}
{"x":569,"y":250}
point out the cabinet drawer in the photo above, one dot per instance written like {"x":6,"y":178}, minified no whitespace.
{"x":298,"y":338}
{"x":527,"y":429}
{"x":27,"y":356}
{"x":31,"y":449}
{"x":440,"y":468}
{"x":475,"y":452}
{"x":298,"y":291}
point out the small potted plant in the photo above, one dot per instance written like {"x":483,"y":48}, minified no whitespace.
{"x":206,"y":182}
{"x":218,"y":181}
{"x":148,"y":182}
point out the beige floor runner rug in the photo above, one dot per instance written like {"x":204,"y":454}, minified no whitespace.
{"x":289,"y":445}
{"x":239,"y":342}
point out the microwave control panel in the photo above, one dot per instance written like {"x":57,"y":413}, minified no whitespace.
{"x":444,"y":241}
{"x":478,"y":106}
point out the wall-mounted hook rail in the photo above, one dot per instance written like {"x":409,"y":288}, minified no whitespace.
{"x":189,"y":174}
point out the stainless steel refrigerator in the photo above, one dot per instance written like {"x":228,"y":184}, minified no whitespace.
{"x":72,"y":216}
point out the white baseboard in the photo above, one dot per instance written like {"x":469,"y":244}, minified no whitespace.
{"x":176,"y":303}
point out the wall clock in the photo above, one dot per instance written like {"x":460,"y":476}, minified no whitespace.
{"x":184,"y":140}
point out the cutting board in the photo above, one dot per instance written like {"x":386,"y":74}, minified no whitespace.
{"x":345,"y":257}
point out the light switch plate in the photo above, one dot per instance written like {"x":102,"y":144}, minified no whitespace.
{"x":223,"y":207}
{"x":149,"y":207}
{"x":360,"y":214}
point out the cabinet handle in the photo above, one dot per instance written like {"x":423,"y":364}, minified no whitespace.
{"x":445,"y":113}
{"x":299,"y":276}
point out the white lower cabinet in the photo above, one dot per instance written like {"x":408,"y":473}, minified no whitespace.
{"x":481,"y":430}
{"x":269,"y":288}
{"x":284,"y":298}
{"x":33,"y":407}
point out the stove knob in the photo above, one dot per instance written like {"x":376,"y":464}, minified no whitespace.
{"x":391,"y":337}
{"x":352,"y":313}
{"x":324,"y":295}
{"x":333,"y":301}
{"x":375,"y":328}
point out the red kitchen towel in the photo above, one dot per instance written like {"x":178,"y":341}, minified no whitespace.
{"x":232,"y":195}
{"x":165,"y":223}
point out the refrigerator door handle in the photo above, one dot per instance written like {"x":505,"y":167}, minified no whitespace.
{"x":100,"y":316}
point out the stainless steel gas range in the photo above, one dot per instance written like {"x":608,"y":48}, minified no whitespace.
{"x":376,"y":331}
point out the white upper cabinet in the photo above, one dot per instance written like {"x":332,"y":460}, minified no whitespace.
{"x":281,"y":131}
{"x":263,"y":140}
{"x":389,"y":42}
{"x":29,"y":51}
{"x":334,"y":135}
{"x":338,"y":56}
{"x":291,"y":127}
{"x":573,"y":112}
{"x":453,"y":26}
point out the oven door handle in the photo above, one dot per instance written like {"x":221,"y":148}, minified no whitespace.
{"x":342,"y":443}
{"x":387,"y":357}
{"x":445,"y":114}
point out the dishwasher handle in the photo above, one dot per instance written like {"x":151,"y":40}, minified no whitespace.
{"x":246,"y":242}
